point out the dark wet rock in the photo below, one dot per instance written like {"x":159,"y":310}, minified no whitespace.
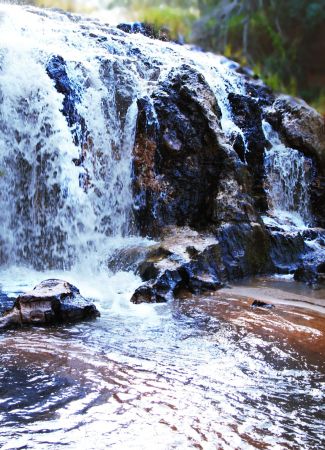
{"x":127,"y":258}
{"x":312,"y":234}
{"x":259,"y":304}
{"x":286,"y":250}
{"x":247,"y":115}
{"x":6,"y":302}
{"x":317,"y":198}
{"x":311,"y":267}
{"x":245,"y":250}
{"x":50,"y":302}
{"x":147,"y":30}
{"x":57,"y":71}
{"x":259,"y":92}
{"x":138,"y":28}
{"x":307,"y":274}
{"x":321,"y":267}
{"x":147,"y":293}
{"x":185,"y":171}
{"x":311,"y":274}
{"x":183,"y":260}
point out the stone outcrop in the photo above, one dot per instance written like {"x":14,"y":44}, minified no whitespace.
{"x":182,"y":260}
{"x":192,"y":178}
{"x":185,"y":171}
{"x":300,"y":125}
{"x":247,"y":115}
{"x":50,"y":302}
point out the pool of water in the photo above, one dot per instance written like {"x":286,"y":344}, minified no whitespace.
{"x":200,"y":372}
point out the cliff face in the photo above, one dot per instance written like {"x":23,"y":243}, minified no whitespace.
{"x":185,"y":170}
{"x":189,"y":172}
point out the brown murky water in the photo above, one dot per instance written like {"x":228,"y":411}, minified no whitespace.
{"x":202,"y":372}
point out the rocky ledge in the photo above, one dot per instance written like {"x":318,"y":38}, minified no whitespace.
{"x":50,"y":302}
{"x":202,"y":184}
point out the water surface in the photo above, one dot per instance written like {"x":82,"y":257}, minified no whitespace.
{"x":200,"y":372}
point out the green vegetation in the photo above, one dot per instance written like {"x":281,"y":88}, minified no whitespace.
{"x":283,"y":41}
{"x":67,"y":5}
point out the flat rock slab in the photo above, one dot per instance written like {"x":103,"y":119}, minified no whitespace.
{"x":50,"y":302}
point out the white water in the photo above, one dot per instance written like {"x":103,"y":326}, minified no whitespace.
{"x":50,"y":218}
{"x":288,"y":177}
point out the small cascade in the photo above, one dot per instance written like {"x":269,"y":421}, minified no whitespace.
{"x":288,"y":177}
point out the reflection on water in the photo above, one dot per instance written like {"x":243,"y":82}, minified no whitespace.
{"x":197,"y":373}
{"x":287,"y":284}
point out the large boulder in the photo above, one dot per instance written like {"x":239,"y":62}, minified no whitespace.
{"x":183,"y":162}
{"x":186,"y":260}
{"x":50,"y":302}
{"x":183,"y":260}
{"x":300,"y":125}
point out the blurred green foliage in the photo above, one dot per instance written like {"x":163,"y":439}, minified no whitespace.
{"x":67,"y":5}
{"x":283,"y":41}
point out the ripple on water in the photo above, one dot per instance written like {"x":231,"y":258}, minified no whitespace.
{"x":185,"y":376}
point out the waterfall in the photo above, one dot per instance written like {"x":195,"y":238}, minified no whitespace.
{"x":64,"y":145}
{"x":68,"y":110}
{"x":288,"y":177}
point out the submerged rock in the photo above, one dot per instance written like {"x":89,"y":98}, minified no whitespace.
{"x":259,"y":304}
{"x":50,"y":302}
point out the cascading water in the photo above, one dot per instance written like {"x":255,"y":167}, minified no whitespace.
{"x":68,"y":116}
{"x":288,"y":178}
{"x":54,"y":211}
{"x":144,"y":376}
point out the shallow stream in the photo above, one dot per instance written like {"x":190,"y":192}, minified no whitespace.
{"x":201,"y":372}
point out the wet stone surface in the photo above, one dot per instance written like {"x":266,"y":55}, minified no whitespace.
{"x":50,"y":302}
